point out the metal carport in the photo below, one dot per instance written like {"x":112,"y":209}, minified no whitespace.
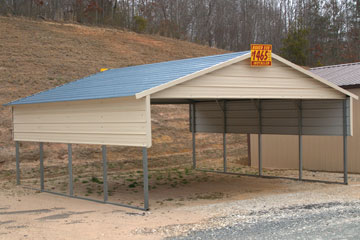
{"x":226,"y":96}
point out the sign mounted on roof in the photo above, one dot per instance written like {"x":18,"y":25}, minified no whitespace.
{"x":261,"y":55}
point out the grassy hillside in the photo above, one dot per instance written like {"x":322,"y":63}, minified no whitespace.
{"x":38,"y":55}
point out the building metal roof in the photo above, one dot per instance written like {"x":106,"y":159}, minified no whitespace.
{"x":127,"y":81}
{"x":341,"y":75}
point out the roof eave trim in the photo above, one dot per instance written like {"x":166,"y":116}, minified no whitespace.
{"x":313,"y":75}
{"x":13,"y":103}
{"x":191,"y":76}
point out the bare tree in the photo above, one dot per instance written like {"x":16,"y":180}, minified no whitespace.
{"x":332,"y":26}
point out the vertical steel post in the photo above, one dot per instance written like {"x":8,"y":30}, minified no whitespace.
{"x":345,"y":141}
{"x":248,"y":136}
{"x":17,"y":154}
{"x":146,"y":180}
{"x":300,"y":141}
{"x":259,"y":140}
{"x":42,"y":166}
{"x":105,"y":185}
{"x":224,"y":138}
{"x":71,"y":189}
{"x":193,"y":135}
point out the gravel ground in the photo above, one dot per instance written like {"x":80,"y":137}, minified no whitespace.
{"x":333,"y":220}
{"x":306,"y":215}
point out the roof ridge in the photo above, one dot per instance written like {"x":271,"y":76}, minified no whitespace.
{"x":336,"y":65}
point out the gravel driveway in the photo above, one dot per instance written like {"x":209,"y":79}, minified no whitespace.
{"x":289,"y":216}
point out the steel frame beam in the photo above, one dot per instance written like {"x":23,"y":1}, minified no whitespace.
{"x":193,"y":131}
{"x":87,"y":199}
{"x":270,"y":177}
{"x":42,"y":185}
{"x":105,"y":185}
{"x":71,"y":188}
{"x":248,"y":136}
{"x":17,"y":155}
{"x":224,"y":138}
{"x":345,"y":141}
{"x":146,"y":179}
{"x":300,"y":141}
{"x":260,"y":141}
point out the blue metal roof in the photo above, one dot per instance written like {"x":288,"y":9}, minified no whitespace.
{"x":126,"y":81}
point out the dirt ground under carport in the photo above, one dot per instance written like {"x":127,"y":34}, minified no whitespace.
{"x":29,"y":214}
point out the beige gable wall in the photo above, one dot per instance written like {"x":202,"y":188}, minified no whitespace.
{"x":117,"y":121}
{"x":319,"y":152}
{"x":239,"y":80}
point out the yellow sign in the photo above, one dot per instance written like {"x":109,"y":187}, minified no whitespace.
{"x":261,"y":54}
{"x":103,"y":69}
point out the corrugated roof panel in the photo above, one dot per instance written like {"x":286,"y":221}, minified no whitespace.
{"x":126,"y":81}
{"x":341,"y":75}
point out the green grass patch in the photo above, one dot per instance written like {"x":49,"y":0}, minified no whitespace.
{"x":133,"y":185}
{"x":96,"y":180}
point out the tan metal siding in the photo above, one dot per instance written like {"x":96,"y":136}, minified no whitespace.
{"x":283,"y":154}
{"x":117,"y":121}
{"x":279,"y":117}
{"x":320,"y":117}
{"x":239,"y":80}
{"x":209,"y":117}
{"x":324,"y":117}
{"x":319,"y":152}
{"x":148,"y":121}
{"x":242,"y":117}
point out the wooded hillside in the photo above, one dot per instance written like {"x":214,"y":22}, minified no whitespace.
{"x":307,"y":32}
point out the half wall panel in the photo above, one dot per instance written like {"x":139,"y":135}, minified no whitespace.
{"x":318,"y":117}
{"x":117,"y":121}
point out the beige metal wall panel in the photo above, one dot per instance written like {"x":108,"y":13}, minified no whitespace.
{"x":283,"y":154}
{"x":323,"y":117}
{"x":242,"y":117}
{"x":354,"y":141}
{"x":209,"y":117}
{"x":117,"y":121}
{"x":239,"y":80}
{"x":89,"y":138}
{"x":320,"y":117}
{"x":330,"y":160}
{"x":279,"y":117}
{"x":281,"y":151}
{"x":148,"y":121}
{"x":323,"y":153}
